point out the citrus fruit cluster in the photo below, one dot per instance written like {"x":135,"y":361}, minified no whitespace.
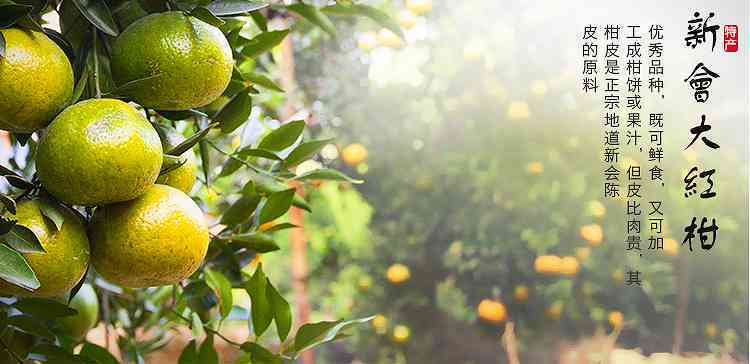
{"x":105,"y":155}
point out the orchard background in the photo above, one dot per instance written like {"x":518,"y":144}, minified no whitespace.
{"x":480,"y":234}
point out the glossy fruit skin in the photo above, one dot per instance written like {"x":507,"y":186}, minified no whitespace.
{"x":398,"y":273}
{"x":181,"y":178}
{"x":87,"y":305}
{"x":36,"y":81}
{"x":158,"y":239}
{"x":354,"y":154}
{"x":181,"y":62}
{"x":66,"y":255}
{"x":99,"y":151}
{"x":492,"y":311}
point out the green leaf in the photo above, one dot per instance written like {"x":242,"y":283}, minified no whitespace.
{"x":260,"y":153}
{"x":277,"y":204}
{"x":170,"y":163}
{"x":23,"y":240}
{"x":50,"y":211}
{"x":229,"y":167}
{"x":61,"y":42}
{"x":11,"y":12}
{"x":260,"y":20}
{"x":380,"y":17}
{"x":180,"y":115}
{"x":207,"y":16}
{"x":19,"y":182}
{"x":235,"y":112}
{"x":264,"y":42}
{"x":80,"y":87}
{"x":283,"y":137}
{"x":207,"y":353}
{"x":258,"y":242}
{"x":97,"y":13}
{"x":327,"y":174}
{"x":261,"y":80}
{"x":8,"y":202}
{"x":15,"y":269}
{"x":260,"y":310}
{"x":304,"y":151}
{"x":223,"y":289}
{"x":205,"y":160}
{"x":30,"y":325}
{"x":311,"y":335}
{"x":44,"y":308}
{"x":234,"y":7}
{"x":282,"y":226}
{"x":282,"y":312}
{"x":55,"y":354}
{"x":189,"y":354}
{"x":267,"y":186}
{"x":315,"y":16}
{"x":196,"y":326}
{"x":97,"y":353}
{"x":192,"y":141}
{"x":260,"y":355}
{"x":240,"y":210}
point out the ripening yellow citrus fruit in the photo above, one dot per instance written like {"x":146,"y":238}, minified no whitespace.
{"x":36,"y":80}
{"x":387,"y":38}
{"x":66,"y":255}
{"x":380,"y":323}
{"x":419,"y":6}
{"x":592,"y":233}
{"x":711,"y":330}
{"x":407,"y":19}
{"x":354,"y":154}
{"x":87,"y":305}
{"x":99,"y":151}
{"x":555,"y":310}
{"x":401,"y":334}
{"x":671,"y":247}
{"x":367,"y":41}
{"x":616,"y":319}
{"x":535,"y":167}
{"x":398,"y":273}
{"x":569,"y":266}
{"x":173,"y":61}
{"x":521,"y":293}
{"x":160,"y":238}
{"x":548,"y":264}
{"x":492,"y":311}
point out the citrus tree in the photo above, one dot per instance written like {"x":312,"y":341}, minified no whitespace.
{"x":146,"y":168}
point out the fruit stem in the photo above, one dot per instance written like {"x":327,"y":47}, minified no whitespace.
{"x":95,"y":49}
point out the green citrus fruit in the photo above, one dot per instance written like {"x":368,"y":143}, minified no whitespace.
{"x":172,"y":61}
{"x":87,"y":305}
{"x":182,"y":177}
{"x":99,"y":151}
{"x":158,"y":239}
{"x":66,"y":255}
{"x":36,"y":80}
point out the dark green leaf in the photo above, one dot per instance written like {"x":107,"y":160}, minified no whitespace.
{"x":282,"y":312}
{"x":52,"y":212}
{"x":97,"y":353}
{"x":304,"y":151}
{"x":277,"y":204}
{"x":260,"y":310}
{"x":205,"y":160}
{"x":260,"y":355}
{"x":206,"y":16}
{"x":207,"y":353}
{"x":44,"y":308}
{"x":180,"y":115}
{"x":283,"y":137}
{"x":258,"y":242}
{"x":8,"y":202}
{"x":234,"y":7}
{"x":267,"y":186}
{"x":56,"y":354}
{"x":261,"y":80}
{"x":327,"y":174}
{"x":264,"y":42}
{"x":235,"y":112}
{"x":229,"y":167}
{"x":61,"y":42}
{"x":260,"y":153}
{"x":80,"y":87}
{"x":30,"y":325}
{"x":189,"y":354}
{"x":19,"y":182}
{"x":380,"y":17}
{"x":240,"y":210}
{"x":282,"y":226}
{"x":11,"y":12}
{"x":6,"y":224}
{"x":315,"y":16}
{"x":14,"y":269}
{"x":170,"y":163}
{"x":223,"y":289}
{"x":311,"y":335}
{"x":260,"y":20}
{"x":97,"y":13}
{"x":23,"y":240}
{"x":192,"y":141}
